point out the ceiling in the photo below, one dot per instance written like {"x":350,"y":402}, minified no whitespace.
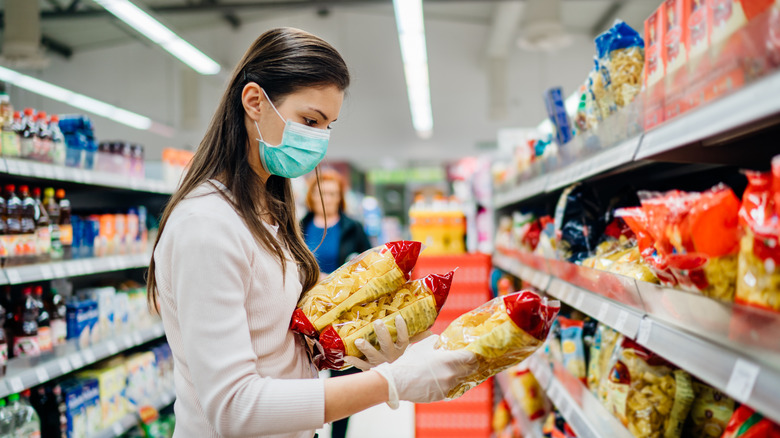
{"x":70,"y":26}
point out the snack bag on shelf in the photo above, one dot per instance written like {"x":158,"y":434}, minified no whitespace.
{"x":638,"y":220}
{"x":592,"y":110}
{"x":602,"y":84}
{"x":578,"y":223}
{"x":601,"y":352}
{"x":647,"y":394}
{"x":710,"y":412}
{"x":418,"y":302}
{"x":526,"y":389}
{"x":501,"y":333}
{"x":758,"y":279}
{"x":573,"y":347}
{"x":747,"y":423}
{"x":624,"y":59}
{"x":377,"y":272}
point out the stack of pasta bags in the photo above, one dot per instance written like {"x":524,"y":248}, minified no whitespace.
{"x":375,"y":285}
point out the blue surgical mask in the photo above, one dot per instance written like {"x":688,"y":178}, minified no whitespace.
{"x":301,"y":150}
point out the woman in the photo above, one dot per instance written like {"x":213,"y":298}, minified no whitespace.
{"x":343,"y":240}
{"x":345,"y":237}
{"x":230,"y":264}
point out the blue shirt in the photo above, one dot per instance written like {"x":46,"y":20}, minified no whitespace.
{"x":327,"y":254}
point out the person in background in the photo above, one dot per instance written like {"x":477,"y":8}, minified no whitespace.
{"x":344,"y":240}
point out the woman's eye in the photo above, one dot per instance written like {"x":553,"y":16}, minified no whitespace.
{"x":309,"y":122}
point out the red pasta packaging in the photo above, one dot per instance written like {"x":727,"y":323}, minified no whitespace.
{"x":747,"y":423}
{"x":377,"y":272}
{"x":418,"y":302}
{"x":758,"y":279}
{"x":501,"y":333}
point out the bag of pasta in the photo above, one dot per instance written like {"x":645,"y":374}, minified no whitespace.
{"x":604,"y":343}
{"x":377,"y":272}
{"x":710,"y":412}
{"x":501,"y":333}
{"x":646,"y":393}
{"x":624,"y":58}
{"x":418,"y":302}
{"x":758,"y":279}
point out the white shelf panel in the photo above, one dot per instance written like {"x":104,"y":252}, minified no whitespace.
{"x":610,"y":158}
{"x":530,"y":429}
{"x":73,"y":268}
{"x":524,"y":190}
{"x":751,"y":103}
{"x":23,"y":373}
{"x":32,"y":169}
{"x":131,"y":420}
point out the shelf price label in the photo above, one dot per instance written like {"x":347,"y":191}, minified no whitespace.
{"x":743,"y":379}
{"x":137,"y":338}
{"x":622,"y":318}
{"x":65,"y":367}
{"x":13,"y":276}
{"x":644,"y":331}
{"x":77,"y":361}
{"x":580,"y":300}
{"x":603,"y":310}
{"x":16,"y":385}
{"x":89,"y":356}
{"x":42,"y":374}
{"x":59,"y":271}
{"x":112,"y":348}
{"x":46,"y":272}
{"x":128,"y":341}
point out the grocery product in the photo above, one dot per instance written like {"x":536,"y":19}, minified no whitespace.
{"x":3,"y":343}
{"x":605,"y":342}
{"x":418,"y":302}
{"x":758,"y":279}
{"x":728,"y":16}
{"x":578,"y":223}
{"x":27,"y":134}
{"x":710,"y":412}
{"x":501,"y":333}
{"x":527,"y":390}
{"x":747,"y":423}
{"x":42,"y":228}
{"x":646,"y":393}
{"x":654,"y":45}
{"x":621,"y":57}
{"x":675,"y":20}
{"x":66,"y":229}
{"x":53,"y":210}
{"x":26,"y":420}
{"x":556,"y":111}
{"x":25,"y":327}
{"x":49,"y":402}
{"x":83,"y":316}
{"x":376,"y":272}
{"x":572,"y":347}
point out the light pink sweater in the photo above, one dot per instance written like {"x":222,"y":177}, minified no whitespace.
{"x":239,"y":371}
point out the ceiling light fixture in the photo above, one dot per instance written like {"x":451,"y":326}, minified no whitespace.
{"x":148,"y":26}
{"x":411,"y":36}
{"x":81,"y":101}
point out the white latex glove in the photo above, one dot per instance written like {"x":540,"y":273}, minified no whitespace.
{"x":388,"y":351}
{"x":424,"y":374}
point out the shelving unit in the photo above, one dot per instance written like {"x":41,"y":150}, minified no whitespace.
{"x":72,"y":268}
{"x":754,"y":109}
{"x":131,"y":420}
{"x":739,"y":362}
{"x":23,"y":373}
{"x":530,"y":429}
{"x":32,"y":169}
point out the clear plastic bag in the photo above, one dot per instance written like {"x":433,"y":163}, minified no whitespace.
{"x":418,"y":302}
{"x":374,"y":273}
{"x":621,"y":63}
{"x":501,"y":333}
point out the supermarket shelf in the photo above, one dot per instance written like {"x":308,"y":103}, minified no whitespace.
{"x":731,"y":347}
{"x":746,"y":106}
{"x":130,"y":420}
{"x":750,"y":104}
{"x":72,"y":268}
{"x":23,"y":373}
{"x":584,"y":413}
{"x":530,"y":429}
{"x":32,"y":169}
{"x":746,"y":380}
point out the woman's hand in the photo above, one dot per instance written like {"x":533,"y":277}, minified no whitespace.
{"x":388,"y":351}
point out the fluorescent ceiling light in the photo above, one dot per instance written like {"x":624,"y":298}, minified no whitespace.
{"x":81,"y":101}
{"x":148,"y":26}
{"x":411,"y":36}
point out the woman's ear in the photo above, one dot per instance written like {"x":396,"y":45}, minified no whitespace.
{"x":252,"y":98}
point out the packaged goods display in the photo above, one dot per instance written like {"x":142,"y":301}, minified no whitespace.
{"x":501,"y":333}
{"x":418,"y":302}
{"x":556,"y":111}
{"x":525,"y":388}
{"x":440,"y":225}
{"x":175,"y":161}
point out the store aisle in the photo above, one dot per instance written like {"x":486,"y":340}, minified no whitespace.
{"x":379,"y":422}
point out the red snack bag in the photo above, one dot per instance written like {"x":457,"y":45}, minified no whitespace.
{"x":418,"y":302}
{"x":377,"y":272}
{"x":747,"y":423}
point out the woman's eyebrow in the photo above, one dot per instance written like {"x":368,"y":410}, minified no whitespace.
{"x":325,"y":118}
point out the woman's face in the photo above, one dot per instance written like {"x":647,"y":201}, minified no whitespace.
{"x":317,"y":107}
{"x":331,"y":197}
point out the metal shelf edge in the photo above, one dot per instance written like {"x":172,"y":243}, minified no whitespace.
{"x":71,"y":268}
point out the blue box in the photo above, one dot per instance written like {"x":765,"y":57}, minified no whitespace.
{"x":74,"y":408}
{"x":82,"y":319}
{"x":556,"y":110}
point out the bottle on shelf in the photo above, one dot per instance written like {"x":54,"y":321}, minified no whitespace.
{"x":66,"y":229}
{"x":4,"y":248}
{"x":29,"y":245}
{"x":8,"y":139}
{"x":42,"y":228}
{"x":44,"y":150}
{"x":28,"y":423}
{"x":53,"y":210}
{"x":52,"y":410}
{"x":28,"y":138}
{"x":45,"y":338}
{"x":54,"y":304}
{"x":26,"y":326}
{"x":3,"y":344}
{"x":7,"y":425}
{"x":59,"y":148}
{"x":14,"y":225}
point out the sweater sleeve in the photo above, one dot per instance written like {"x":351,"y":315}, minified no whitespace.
{"x":209,"y":275}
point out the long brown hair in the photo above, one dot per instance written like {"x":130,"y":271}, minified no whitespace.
{"x":282,"y":61}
